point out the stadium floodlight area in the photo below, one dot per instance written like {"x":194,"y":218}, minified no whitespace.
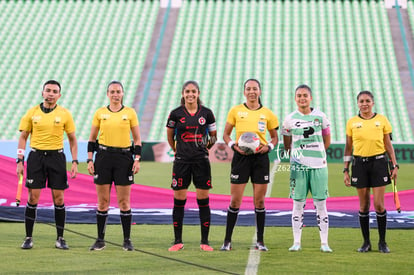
{"x":337,"y":47}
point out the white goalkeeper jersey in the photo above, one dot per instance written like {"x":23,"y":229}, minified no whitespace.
{"x":307,"y":146}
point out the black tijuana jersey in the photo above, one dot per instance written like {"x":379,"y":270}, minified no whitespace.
{"x":191,"y":131}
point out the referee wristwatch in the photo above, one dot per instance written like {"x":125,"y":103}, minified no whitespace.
{"x":19,"y":160}
{"x":396,"y":166}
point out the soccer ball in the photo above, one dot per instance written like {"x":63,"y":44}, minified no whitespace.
{"x":249,"y":142}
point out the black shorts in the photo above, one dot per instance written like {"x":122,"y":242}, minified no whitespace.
{"x":113,"y":167}
{"x":47,"y":166}
{"x":370,"y":172}
{"x":255,"y":167}
{"x":198,"y":170}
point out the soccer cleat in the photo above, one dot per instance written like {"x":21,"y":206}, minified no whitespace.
{"x":295,"y":248}
{"x":127,"y":246}
{"x":261,"y":247}
{"x":226,"y":246}
{"x":383,"y":247}
{"x":98,"y":245}
{"x":176,"y":247}
{"x":366,"y":246}
{"x":206,"y":247}
{"x":326,"y":249}
{"x":28,"y":243}
{"x":61,"y":244}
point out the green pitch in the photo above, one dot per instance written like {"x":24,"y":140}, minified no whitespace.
{"x":152,"y":241}
{"x":151,"y":255}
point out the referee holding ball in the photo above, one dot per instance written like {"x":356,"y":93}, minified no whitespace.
{"x":115,"y":161}
{"x":251,"y":116}
{"x":46,"y":123}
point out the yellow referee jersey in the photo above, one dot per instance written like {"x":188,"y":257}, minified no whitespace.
{"x":257,"y":121}
{"x":368,"y":134}
{"x":46,"y":130}
{"x":115,"y":127}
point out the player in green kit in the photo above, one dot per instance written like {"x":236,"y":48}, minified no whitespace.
{"x":306,"y":136}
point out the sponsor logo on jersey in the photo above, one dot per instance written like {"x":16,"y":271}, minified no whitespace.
{"x":124,"y":117}
{"x":377,"y":124}
{"x":242,"y":114}
{"x":202,"y":121}
{"x":182,"y":120}
{"x":357,"y":125}
{"x":235,"y":177}
{"x":190,"y":137}
{"x":262,"y":126}
{"x":36,"y":119}
{"x":57,"y":120}
{"x":105,"y":116}
{"x":354,"y":179}
{"x":171,"y":123}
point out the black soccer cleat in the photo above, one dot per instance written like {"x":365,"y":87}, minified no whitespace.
{"x":383,"y":247}
{"x":61,"y":244}
{"x":127,"y":246}
{"x":28,"y":243}
{"x":366,"y":246}
{"x":98,"y":245}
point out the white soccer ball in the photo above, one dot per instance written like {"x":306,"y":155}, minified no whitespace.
{"x":249,"y":142}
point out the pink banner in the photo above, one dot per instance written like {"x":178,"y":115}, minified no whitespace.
{"x":82,"y":193}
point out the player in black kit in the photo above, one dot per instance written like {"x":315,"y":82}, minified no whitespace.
{"x":191,"y":131}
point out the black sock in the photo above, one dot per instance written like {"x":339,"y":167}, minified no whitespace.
{"x":178,"y":217}
{"x":364,"y":224}
{"x":260,"y":222}
{"x":205,"y":216}
{"x":382,"y":225}
{"x":60,"y":217}
{"x":232,"y":214}
{"x":126,"y":218}
{"x":101,"y":218}
{"x":30,"y":218}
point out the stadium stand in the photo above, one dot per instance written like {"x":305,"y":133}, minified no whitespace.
{"x":337,"y":47}
{"x":82,"y":44}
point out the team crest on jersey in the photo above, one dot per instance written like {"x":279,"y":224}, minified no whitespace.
{"x":316,"y":122}
{"x":36,"y":119}
{"x":385,"y":179}
{"x":124,"y":117}
{"x":57,"y":120}
{"x":202,"y":121}
{"x":174,"y":183}
{"x":377,"y":124}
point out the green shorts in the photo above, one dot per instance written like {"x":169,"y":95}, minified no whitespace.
{"x":304,"y":179}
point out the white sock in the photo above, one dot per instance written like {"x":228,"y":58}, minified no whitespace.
{"x":297,"y":220}
{"x":323,"y":220}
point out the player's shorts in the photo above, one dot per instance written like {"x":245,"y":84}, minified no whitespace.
{"x":113,"y":167}
{"x":370,"y":171}
{"x":304,"y":179}
{"x":198,"y":170}
{"x":255,"y":167}
{"x":46,"y":166}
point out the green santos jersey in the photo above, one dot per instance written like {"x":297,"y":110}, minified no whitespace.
{"x":307,"y":133}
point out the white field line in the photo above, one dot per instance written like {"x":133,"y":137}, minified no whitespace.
{"x":254,"y":255}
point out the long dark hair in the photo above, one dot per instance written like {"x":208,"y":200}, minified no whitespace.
{"x":188,"y":82}
{"x":258,"y":83}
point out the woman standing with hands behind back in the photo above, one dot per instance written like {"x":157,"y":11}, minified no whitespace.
{"x":368,"y":139}
{"x":114,"y":161}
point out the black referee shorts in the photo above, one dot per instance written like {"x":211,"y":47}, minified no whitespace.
{"x":255,"y":167}
{"x":113,"y":167}
{"x":370,"y":172}
{"x":198,"y":170}
{"x":47,"y":166}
